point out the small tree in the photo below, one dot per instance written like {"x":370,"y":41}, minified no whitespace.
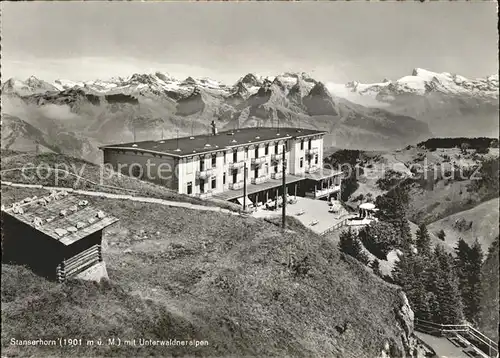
{"x":423,"y":241}
{"x":463,"y":147}
{"x":473,"y":306}
{"x":447,"y":287}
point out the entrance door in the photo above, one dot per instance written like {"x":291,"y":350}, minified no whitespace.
{"x":256,"y":173}
{"x":202,"y":186}
{"x":235,"y":176}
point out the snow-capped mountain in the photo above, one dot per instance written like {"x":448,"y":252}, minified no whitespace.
{"x":422,"y":82}
{"x":31,"y":85}
{"x":451,"y":104}
{"x":112,"y":110}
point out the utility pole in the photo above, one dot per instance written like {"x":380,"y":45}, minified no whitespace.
{"x":284,"y":188}
{"x":245,"y":187}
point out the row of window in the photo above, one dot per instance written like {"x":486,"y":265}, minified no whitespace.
{"x":235,"y":159}
{"x":235,"y":155}
{"x":309,"y":144}
{"x":301,"y":162}
{"x":235,"y":175}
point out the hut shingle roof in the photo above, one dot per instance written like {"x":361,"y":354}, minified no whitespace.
{"x":60,"y":216}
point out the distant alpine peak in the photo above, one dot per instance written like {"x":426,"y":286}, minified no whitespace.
{"x":29,"y":86}
{"x":420,"y":72}
{"x":250,"y":79}
{"x":419,"y":82}
{"x":422,"y":81}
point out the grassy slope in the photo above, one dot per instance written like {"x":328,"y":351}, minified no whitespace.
{"x":92,"y":172}
{"x":426,"y":205}
{"x":484,"y":219}
{"x":177,"y":273}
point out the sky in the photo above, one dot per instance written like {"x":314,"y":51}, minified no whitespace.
{"x":332,"y":41}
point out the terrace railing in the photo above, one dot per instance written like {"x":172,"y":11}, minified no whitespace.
{"x":236,"y":186}
{"x":204,"y":174}
{"x":259,"y":180}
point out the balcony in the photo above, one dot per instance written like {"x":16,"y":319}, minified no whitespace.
{"x":204,"y":174}
{"x":277,"y":157}
{"x":258,"y":161}
{"x":237,"y":165}
{"x":277,"y":175}
{"x":323,"y":192}
{"x":312,"y":169}
{"x":205,"y":195}
{"x":259,"y":180}
{"x":236,"y":186}
{"x":312,"y":151}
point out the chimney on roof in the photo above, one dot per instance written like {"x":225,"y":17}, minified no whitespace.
{"x":214,"y":128}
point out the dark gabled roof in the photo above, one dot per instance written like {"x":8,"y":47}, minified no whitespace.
{"x":188,"y":146}
{"x":63,"y":217}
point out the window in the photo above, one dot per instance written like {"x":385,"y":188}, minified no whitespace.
{"x":224,"y":155}
{"x":224,"y":179}
{"x":301,"y":162}
{"x":266,"y":151}
{"x":189,"y":165}
{"x":246,"y":152}
{"x":256,"y":152}
{"x":302,"y":145}
{"x":310,"y":144}
{"x":235,"y":156}
{"x":214,"y":160}
{"x":214,"y":183}
{"x":190,"y":188}
{"x":136,"y":171}
{"x":276,"y":148}
{"x":315,"y":159}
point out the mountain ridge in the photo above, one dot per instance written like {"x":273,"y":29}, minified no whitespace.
{"x":149,"y":103}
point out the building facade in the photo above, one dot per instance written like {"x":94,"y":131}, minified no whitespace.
{"x":214,"y":165}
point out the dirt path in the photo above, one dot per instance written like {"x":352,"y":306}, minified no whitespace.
{"x":125,"y":197}
{"x":442,"y":346}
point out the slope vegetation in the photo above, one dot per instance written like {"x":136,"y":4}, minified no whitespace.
{"x":489,"y":318}
{"x":52,"y":169}
{"x":241,"y":284}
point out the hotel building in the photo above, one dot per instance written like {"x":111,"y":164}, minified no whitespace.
{"x":213,"y":165}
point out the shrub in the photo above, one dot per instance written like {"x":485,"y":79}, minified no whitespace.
{"x":379,"y":238}
{"x":390,"y":179}
{"x":482,"y":150}
{"x":441,"y":235}
{"x":349,"y":243}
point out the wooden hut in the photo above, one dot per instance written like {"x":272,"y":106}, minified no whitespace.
{"x":58,"y":236}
